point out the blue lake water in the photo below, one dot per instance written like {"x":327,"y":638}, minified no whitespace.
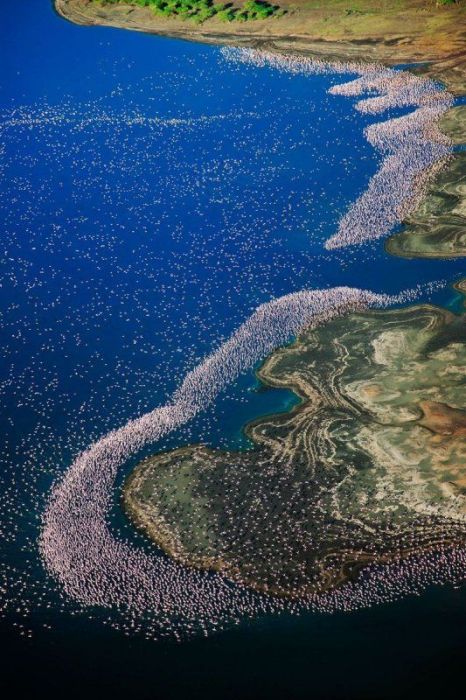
{"x":152,"y":196}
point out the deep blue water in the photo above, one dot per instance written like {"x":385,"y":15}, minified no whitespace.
{"x":152,"y":196}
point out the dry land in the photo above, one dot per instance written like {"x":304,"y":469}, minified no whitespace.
{"x":392,"y":31}
{"x":369,"y":466}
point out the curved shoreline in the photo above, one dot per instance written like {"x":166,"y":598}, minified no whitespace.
{"x":440,"y":60}
{"x":153,"y":527}
{"x":79,"y":550}
{"x":447,"y":218}
{"x":76,"y":544}
{"x":413,"y":147}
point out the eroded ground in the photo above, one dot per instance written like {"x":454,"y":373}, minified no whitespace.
{"x":369,"y":466}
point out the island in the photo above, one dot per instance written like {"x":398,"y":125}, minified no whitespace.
{"x":368,"y":467}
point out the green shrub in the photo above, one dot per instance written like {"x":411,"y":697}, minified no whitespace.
{"x":201,"y":10}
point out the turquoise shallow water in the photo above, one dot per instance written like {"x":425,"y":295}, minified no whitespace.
{"x":153,"y":195}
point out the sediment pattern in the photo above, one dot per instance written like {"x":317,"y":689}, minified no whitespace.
{"x":369,"y":467}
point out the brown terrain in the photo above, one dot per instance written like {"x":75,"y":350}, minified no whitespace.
{"x":390,"y":31}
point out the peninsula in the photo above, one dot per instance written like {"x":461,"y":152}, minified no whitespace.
{"x":367,"y":468}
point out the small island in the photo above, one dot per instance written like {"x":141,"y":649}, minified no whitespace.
{"x":370,"y":466}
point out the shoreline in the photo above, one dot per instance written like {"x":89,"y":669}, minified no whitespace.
{"x":440,"y":57}
{"x":436,"y":229}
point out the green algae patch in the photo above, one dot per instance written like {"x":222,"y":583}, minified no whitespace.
{"x":370,"y":466}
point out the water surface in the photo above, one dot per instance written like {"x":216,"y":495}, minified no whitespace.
{"x":153,"y":195}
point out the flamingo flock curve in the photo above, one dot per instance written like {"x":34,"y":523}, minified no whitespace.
{"x":153,"y":593}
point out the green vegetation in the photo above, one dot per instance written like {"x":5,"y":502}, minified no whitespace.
{"x":201,"y":10}
{"x":332,"y":12}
